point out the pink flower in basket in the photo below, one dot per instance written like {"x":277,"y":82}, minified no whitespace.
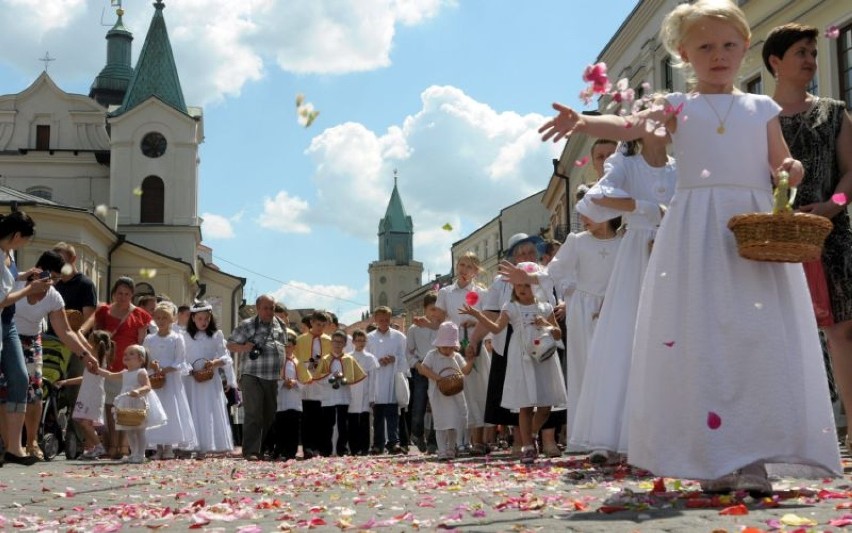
{"x":537,"y":342}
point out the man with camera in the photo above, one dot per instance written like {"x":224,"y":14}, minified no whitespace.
{"x":260,"y":341}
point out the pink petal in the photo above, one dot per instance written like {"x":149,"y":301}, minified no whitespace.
{"x":705,"y":173}
{"x":832,"y":32}
{"x":839,"y":198}
{"x":471,"y":298}
{"x":714,"y":421}
{"x":669,"y":343}
{"x":581,"y":162}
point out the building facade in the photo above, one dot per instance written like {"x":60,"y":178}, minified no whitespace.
{"x":115,"y":173}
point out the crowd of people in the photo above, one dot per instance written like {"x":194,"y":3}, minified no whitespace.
{"x":645,"y":338}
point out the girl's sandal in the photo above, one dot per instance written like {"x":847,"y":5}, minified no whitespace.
{"x":528,"y":455}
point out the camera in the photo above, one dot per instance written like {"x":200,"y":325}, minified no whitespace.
{"x":255,"y":352}
{"x":314,"y":361}
{"x":337,"y":380}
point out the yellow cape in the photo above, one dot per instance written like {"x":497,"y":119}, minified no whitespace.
{"x":303,"y":375}
{"x":352,"y":371}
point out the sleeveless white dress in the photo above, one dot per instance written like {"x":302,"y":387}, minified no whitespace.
{"x":727,"y":365}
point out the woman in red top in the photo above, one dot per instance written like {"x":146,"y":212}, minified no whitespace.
{"x":127,"y":324}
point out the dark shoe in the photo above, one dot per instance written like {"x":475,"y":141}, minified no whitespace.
{"x":308,"y":454}
{"x":375,"y":451}
{"x":252,"y":457}
{"x":396,"y":449}
{"x":29,"y":460}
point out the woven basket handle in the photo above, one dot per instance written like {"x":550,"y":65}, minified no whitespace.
{"x":455,"y":370}
{"x":784,"y":195}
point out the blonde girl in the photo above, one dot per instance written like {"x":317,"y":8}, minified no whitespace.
{"x":531,"y":387}
{"x":451,"y":298}
{"x":135,"y":394}
{"x":166,"y":348}
{"x":449,"y":413}
{"x":717,"y":334}
{"x":89,"y":407}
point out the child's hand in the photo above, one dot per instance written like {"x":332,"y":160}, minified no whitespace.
{"x":562,"y":125}
{"x":134,"y":393}
{"x":540,"y":321}
{"x":59,"y":384}
{"x":793,"y":168}
{"x":468,"y":310}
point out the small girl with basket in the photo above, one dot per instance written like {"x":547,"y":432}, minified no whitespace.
{"x":168,"y":363}
{"x":534,"y":379}
{"x":442,"y":366}
{"x":135,"y":409}
{"x":89,"y":408}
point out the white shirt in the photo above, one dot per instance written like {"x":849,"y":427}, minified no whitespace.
{"x":361,"y":391}
{"x":332,"y":396}
{"x":452,"y":298}
{"x":290,"y":399}
{"x":28,"y":317}
{"x":419,"y":343}
{"x":381,"y":344}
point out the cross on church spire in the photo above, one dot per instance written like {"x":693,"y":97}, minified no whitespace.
{"x":46,"y":60}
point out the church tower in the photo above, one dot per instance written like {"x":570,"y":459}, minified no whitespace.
{"x":110,"y":85}
{"x":396,"y":273}
{"x":154,"y":153}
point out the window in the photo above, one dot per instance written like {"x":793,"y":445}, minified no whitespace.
{"x":667,"y":77}
{"x":41,"y":192}
{"x":143,"y":289}
{"x":755,"y":85}
{"x":844,"y":63}
{"x":813,"y":87}
{"x":153,"y":201}
{"x":383,"y":299}
{"x":42,"y":137}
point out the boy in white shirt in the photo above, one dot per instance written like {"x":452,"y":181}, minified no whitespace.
{"x":362,"y":397}
{"x":288,"y":419}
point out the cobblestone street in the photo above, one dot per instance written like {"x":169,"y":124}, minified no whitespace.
{"x":395,"y":494}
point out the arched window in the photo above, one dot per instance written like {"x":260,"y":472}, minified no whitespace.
{"x":152,"y":201}
{"x":41,"y":192}
{"x":143,"y":289}
{"x":383,"y":298}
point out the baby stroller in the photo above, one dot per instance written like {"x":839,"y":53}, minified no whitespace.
{"x":54,"y":433}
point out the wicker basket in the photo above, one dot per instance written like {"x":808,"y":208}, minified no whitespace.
{"x":156,"y":377}
{"x":75,"y":319}
{"x":202,"y":370}
{"x":125,"y":416}
{"x":780,"y":236}
{"x":451,"y":382}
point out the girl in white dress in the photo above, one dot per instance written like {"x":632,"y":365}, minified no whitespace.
{"x":135,"y":394}
{"x":636,"y":187}
{"x":531,"y":387}
{"x":166,"y":349}
{"x":728,"y":383}
{"x":89,"y":407}
{"x":581,"y":272}
{"x":449,"y":413}
{"x":207,"y":402}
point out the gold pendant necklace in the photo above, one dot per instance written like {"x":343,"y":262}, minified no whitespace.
{"x":721,"y":128}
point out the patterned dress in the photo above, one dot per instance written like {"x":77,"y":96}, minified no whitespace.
{"x":812,"y":137}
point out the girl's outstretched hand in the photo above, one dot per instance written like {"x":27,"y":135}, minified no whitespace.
{"x":562,"y":125}
{"x":468,"y":310}
{"x":793,"y":168}
{"x":513,"y":274}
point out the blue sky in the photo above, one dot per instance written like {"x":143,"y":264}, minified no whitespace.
{"x":447,"y":92}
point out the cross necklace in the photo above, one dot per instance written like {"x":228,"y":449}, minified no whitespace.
{"x":721,"y":128}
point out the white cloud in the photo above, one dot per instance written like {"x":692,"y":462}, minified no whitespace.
{"x":216,"y":227}
{"x":285,"y":213}
{"x":459,"y":161}
{"x":219,"y":44}
{"x":299,"y":295}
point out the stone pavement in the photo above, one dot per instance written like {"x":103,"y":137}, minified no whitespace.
{"x":397,"y":494}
